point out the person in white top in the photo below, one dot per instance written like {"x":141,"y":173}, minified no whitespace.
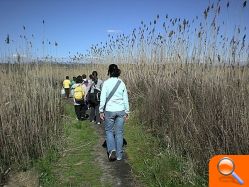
{"x":114,"y":110}
{"x":94,"y":98}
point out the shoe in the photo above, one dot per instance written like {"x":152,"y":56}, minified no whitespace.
{"x":98,"y":123}
{"x":112,"y":155}
{"x":92,"y":121}
{"x":119,"y":159}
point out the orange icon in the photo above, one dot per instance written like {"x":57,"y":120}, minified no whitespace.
{"x":229,"y":171}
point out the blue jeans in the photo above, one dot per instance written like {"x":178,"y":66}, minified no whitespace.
{"x":114,"y":122}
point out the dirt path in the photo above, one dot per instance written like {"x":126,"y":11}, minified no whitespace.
{"x":118,"y":173}
{"x":84,"y":161}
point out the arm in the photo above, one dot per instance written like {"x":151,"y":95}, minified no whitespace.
{"x":126,"y":101}
{"x":73,"y":87}
{"x":101,"y":85}
{"x":102,"y":98}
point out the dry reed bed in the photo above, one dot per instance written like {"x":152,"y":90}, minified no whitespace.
{"x":30,"y":113}
{"x":196,"y":110}
{"x":186,"y":81}
{"x":179,"y":83}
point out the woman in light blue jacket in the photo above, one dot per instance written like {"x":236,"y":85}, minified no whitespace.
{"x":114,"y":110}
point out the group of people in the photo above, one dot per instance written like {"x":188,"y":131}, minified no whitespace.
{"x":108,"y":103}
{"x":86,"y":95}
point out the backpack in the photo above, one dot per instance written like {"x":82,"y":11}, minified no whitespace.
{"x":78,"y":93}
{"x":94,"y":98}
{"x":97,"y":94}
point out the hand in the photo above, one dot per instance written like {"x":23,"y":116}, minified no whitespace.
{"x":102,"y":116}
{"x":126,"y":117}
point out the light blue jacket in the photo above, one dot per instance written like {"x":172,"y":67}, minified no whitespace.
{"x":119,"y":101}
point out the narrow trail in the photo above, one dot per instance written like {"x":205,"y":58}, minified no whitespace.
{"x":103,"y":172}
{"x":118,"y":172}
{"x":82,"y":162}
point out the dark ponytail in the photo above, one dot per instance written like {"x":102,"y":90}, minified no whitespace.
{"x":113,"y":71}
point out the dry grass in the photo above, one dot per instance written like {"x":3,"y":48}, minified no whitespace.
{"x":184,"y":78}
{"x":196,"y":110}
{"x":29,"y":114}
{"x":188,"y":80}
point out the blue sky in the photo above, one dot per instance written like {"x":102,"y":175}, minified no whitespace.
{"x":76,"y":24}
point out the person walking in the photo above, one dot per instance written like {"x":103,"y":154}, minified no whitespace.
{"x":85,"y":81}
{"x":66,"y":86}
{"x":90,"y":81}
{"x":72,"y":86}
{"x":94,"y":98}
{"x":114,"y":110}
{"x":79,"y":95}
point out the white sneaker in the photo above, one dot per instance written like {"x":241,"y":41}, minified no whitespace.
{"x":98,"y":123}
{"x":119,"y":159}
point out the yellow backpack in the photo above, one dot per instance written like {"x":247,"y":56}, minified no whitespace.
{"x":79,"y":93}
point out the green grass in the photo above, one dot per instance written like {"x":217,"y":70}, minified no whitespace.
{"x":154,"y":165}
{"x":74,"y":166}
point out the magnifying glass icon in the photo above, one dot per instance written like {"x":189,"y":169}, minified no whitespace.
{"x":226,"y":167}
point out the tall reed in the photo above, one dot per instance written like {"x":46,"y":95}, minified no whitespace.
{"x":30,"y":113}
